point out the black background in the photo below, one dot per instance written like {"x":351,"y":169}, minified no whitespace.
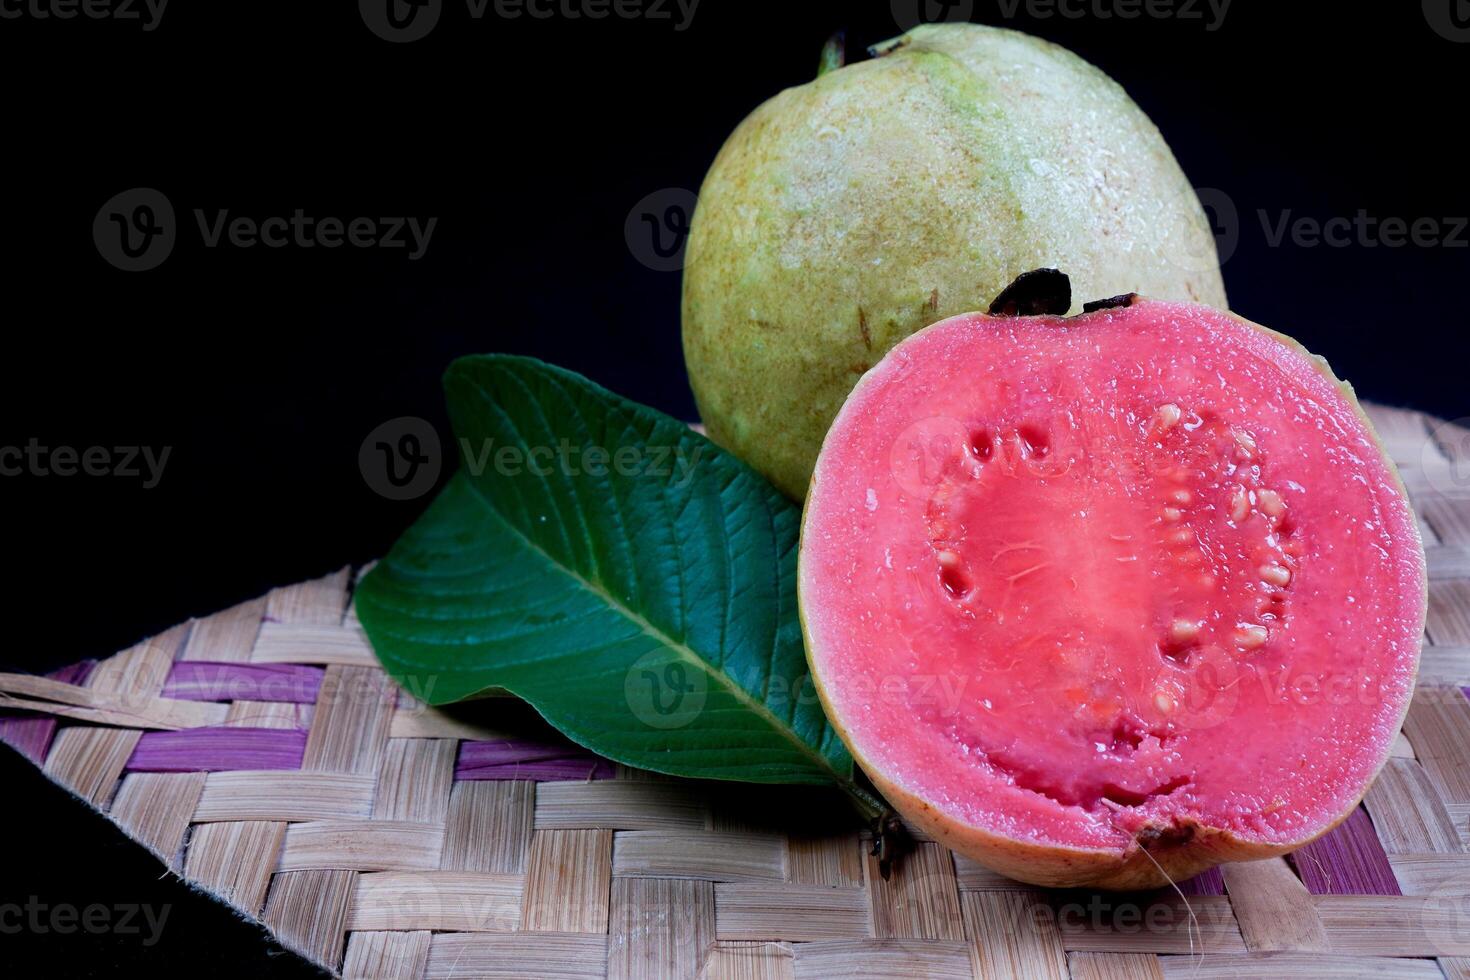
{"x":530,"y":140}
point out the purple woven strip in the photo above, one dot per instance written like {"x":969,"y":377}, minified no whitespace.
{"x":218,"y":749}
{"x":201,"y":680}
{"x":536,"y":761}
{"x":1348,"y":861}
{"x":1210,"y":882}
{"x":31,"y":734}
{"x":1465,"y":691}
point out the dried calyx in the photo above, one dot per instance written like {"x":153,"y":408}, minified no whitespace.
{"x":1048,"y":292}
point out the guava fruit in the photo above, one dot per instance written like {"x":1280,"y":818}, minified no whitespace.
{"x":844,"y":214}
{"x":1107,"y":600}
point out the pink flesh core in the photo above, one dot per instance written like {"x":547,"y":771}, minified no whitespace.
{"x":1065,"y":580}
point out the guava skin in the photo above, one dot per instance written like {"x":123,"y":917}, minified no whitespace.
{"x":1158,"y":855}
{"x":845,"y":214}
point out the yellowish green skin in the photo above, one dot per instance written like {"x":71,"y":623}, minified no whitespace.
{"x":845,"y":214}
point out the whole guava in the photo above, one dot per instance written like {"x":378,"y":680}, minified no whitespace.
{"x":845,"y":214}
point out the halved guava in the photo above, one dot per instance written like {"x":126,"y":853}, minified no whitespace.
{"x":1111,"y":599}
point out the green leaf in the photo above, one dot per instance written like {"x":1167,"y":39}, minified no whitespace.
{"x":642,"y":599}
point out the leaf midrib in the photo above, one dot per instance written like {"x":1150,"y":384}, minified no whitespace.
{"x":683,"y":650}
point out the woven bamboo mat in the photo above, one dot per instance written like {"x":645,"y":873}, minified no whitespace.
{"x":262,"y":755}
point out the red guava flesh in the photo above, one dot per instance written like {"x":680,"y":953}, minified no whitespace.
{"x":1111,"y":599}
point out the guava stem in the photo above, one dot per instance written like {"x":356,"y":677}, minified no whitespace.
{"x":869,"y":806}
{"x":888,"y":47}
{"x":834,"y":53}
{"x":890,"y":837}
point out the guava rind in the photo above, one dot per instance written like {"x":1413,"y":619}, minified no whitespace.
{"x":1146,"y":861}
{"x":844,"y":214}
